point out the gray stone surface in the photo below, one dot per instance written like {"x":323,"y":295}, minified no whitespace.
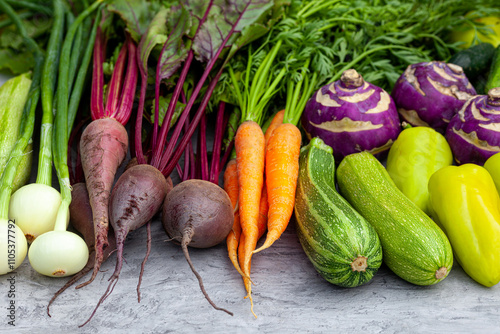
{"x":289,"y":296}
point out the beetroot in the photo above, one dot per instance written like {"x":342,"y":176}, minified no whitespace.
{"x":81,"y":219}
{"x":136,"y":197}
{"x":199,"y":214}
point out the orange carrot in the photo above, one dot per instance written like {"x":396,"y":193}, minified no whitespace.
{"x":261,"y":224}
{"x":231,"y":187}
{"x":263,"y":212}
{"x":277,"y":120}
{"x":250,"y":154}
{"x":282,"y":169}
{"x":261,"y":228}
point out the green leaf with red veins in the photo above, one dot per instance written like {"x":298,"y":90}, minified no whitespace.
{"x":137,"y":14}
{"x":220,"y":21}
{"x":176,"y":48}
{"x":156,"y":34}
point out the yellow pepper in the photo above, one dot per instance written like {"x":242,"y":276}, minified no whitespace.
{"x":466,"y":204}
{"x":492,"y":165}
{"x":467,"y":34}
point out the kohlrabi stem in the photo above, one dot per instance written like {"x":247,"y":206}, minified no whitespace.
{"x":49,"y":79}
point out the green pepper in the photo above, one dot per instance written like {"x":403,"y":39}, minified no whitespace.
{"x":466,"y":204}
{"x":414,"y":156}
{"x":492,"y":165}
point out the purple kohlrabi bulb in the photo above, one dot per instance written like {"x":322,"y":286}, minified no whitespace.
{"x":352,"y":115}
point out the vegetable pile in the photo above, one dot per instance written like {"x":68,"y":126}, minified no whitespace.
{"x":328,"y":114}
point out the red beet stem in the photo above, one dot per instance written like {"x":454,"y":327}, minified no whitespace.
{"x":216,"y":150}
{"x":96,"y":96}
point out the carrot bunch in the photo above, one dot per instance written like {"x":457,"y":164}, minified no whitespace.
{"x":261,"y":180}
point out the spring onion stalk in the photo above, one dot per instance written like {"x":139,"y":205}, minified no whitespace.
{"x":43,"y":198}
{"x":13,"y":245}
{"x":59,"y":252}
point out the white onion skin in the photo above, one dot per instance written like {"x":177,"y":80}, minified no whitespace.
{"x":34,"y":209}
{"x":17,"y":246}
{"x":58,"y":254}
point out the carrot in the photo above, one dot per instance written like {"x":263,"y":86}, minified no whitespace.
{"x":276,"y":121}
{"x":263,"y":212}
{"x":282,"y":169}
{"x":231,"y":187}
{"x":261,"y":229}
{"x":253,"y":92}
{"x":250,"y":154}
{"x":234,"y":236}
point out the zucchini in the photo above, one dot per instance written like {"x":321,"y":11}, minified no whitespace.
{"x":13,"y":96}
{"x":474,"y":60}
{"x":494,"y":76}
{"x":415,"y":248}
{"x":342,"y":246}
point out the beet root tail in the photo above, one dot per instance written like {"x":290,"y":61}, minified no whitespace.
{"x":186,"y":239}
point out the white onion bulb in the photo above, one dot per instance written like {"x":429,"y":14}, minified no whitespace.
{"x":34,"y":209}
{"x":58,"y":254}
{"x":13,"y":246}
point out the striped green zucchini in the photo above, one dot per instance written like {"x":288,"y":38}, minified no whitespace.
{"x":342,"y":246}
{"x":415,"y":248}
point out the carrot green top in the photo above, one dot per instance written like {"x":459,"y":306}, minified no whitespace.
{"x":258,"y":90}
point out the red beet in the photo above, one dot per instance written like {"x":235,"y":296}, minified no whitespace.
{"x":199,"y":214}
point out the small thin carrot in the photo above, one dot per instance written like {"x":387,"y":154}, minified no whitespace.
{"x":261,"y":228}
{"x":250,"y":154}
{"x":231,"y":187}
{"x":263,"y":212}
{"x":282,"y":169}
